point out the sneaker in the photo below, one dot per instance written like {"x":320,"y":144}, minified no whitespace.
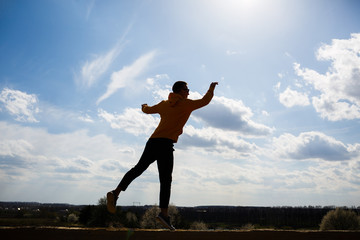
{"x":111,"y":201}
{"x":165,"y":221}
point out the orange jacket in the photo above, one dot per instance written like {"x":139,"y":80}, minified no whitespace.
{"x":174,"y":113}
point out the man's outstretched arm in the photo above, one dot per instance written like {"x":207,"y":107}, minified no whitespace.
{"x":150,"y":109}
{"x":205,"y":100}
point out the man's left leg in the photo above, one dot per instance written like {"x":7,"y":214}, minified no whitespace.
{"x":165,"y":164}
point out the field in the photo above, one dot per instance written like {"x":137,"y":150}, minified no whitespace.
{"x":54,"y":233}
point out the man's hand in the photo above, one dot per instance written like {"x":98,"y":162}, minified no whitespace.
{"x":212,"y":85}
{"x":143,"y":105}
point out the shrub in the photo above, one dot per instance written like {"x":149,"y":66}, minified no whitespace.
{"x":340,"y":219}
{"x":199,"y":226}
{"x":72,"y":218}
{"x":98,"y":216}
{"x":149,"y":218}
{"x":248,"y":226}
{"x":131,"y":220}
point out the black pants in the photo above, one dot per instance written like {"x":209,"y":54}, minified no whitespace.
{"x":160,"y":149}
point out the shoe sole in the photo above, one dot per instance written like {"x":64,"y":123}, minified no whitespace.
{"x":110,"y":202}
{"x":165,"y":225}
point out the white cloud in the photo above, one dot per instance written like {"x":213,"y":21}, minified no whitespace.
{"x":34,"y":162}
{"x":128,"y":75}
{"x":216,"y":141}
{"x":225,"y":142}
{"x":313,"y":145}
{"x":277,"y":86}
{"x":228,"y":120}
{"x":86,"y":118}
{"x":335,"y":110}
{"x":339,"y":87}
{"x":20,"y":104}
{"x":265,"y":113}
{"x":152,"y":85}
{"x":231,"y":115}
{"x":290,"y":98}
{"x":132,"y":120}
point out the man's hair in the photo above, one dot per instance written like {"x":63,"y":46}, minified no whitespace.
{"x":178,"y":86}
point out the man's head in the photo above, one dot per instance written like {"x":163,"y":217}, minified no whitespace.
{"x":181,"y":88}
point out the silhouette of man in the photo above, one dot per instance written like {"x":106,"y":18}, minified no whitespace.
{"x":174,"y":114}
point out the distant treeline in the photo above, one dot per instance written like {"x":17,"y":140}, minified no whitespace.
{"x":215,"y":217}
{"x":34,"y":205}
{"x":231,"y":217}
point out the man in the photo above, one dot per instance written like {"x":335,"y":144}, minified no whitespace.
{"x":174,"y":113}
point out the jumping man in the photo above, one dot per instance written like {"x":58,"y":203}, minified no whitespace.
{"x":174,"y":114}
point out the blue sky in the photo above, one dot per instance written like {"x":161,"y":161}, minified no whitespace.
{"x":282,"y":129}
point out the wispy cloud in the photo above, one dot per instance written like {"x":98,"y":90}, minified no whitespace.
{"x":93,"y":69}
{"x":89,"y":8}
{"x":20,"y":104}
{"x":128,"y":75}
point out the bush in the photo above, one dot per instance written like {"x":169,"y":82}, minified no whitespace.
{"x":72,"y":218}
{"x":248,"y":226}
{"x":199,"y":226}
{"x":149,"y":218}
{"x":340,"y":219}
{"x":98,"y":216}
{"x":131,"y":220}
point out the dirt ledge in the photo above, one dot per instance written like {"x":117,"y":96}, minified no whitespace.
{"x":55,"y":233}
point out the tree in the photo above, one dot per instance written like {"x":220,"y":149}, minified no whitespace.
{"x":102,"y":201}
{"x":340,"y":219}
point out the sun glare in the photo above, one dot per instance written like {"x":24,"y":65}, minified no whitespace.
{"x":245,"y":8}
{"x":246,"y":13}
{"x":236,"y":7}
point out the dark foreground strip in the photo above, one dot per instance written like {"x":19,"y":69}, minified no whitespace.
{"x":45,"y":233}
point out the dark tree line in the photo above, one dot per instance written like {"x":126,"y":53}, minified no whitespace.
{"x":219,"y":217}
{"x":276,"y":217}
{"x":214,"y":217}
